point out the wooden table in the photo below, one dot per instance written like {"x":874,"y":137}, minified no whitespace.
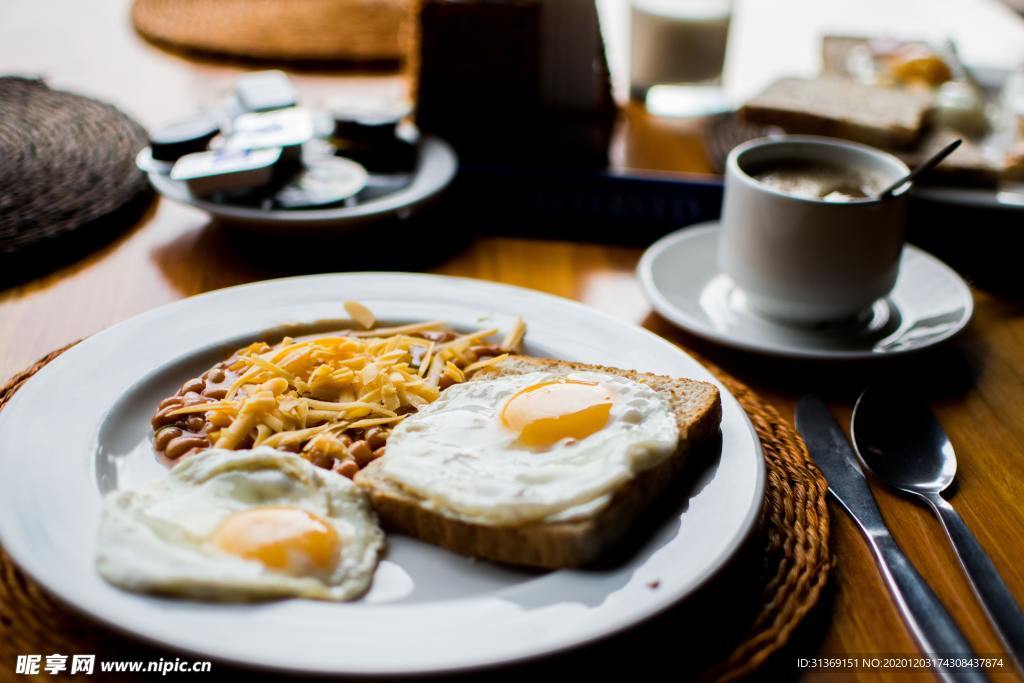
{"x":977,"y":383}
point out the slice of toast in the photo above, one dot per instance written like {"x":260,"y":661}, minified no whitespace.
{"x":557,"y":544}
{"x":842,"y":108}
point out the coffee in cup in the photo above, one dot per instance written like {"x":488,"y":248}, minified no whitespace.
{"x":817,"y":180}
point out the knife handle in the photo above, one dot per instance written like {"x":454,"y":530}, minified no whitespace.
{"x":932,"y":627}
{"x":992,"y":591}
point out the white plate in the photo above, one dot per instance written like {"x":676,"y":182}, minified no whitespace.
{"x":434,"y":172}
{"x":679,"y":276}
{"x":81,"y":426}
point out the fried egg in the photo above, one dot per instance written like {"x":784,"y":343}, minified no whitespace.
{"x":524,"y":448}
{"x":238,"y":525}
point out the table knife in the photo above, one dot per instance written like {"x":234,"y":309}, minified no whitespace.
{"x":929,"y":622}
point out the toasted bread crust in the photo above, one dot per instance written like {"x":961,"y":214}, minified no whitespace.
{"x":555,"y":545}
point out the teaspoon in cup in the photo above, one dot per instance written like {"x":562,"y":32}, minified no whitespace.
{"x":926,"y":165}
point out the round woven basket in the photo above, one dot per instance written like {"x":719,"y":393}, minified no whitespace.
{"x":68,"y":170}
{"x":791,"y":545}
{"x":296,"y":30}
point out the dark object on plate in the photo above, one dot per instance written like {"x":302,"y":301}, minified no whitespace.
{"x":366,"y":129}
{"x":900,"y":440}
{"x":175,"y":140}
{"x":396,"y":156}
{"x":264,"y":91}
{"x":368,"y":125}
{"x":295,"y":31}
{"x":372,"y":135}
{"x":68,"y":176}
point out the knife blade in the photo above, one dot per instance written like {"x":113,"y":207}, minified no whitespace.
{"x":929,"y":622}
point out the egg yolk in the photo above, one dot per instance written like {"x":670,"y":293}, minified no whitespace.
{"x":283,"y":539}
{"x":546,"y":413}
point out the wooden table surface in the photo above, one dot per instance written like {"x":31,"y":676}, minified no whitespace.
{"x":976,"y":384}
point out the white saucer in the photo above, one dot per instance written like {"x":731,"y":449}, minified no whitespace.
{"x":680,"y":278}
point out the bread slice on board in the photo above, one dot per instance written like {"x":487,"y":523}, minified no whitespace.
{"x":842,"y":108}
{"x":558,"y":544}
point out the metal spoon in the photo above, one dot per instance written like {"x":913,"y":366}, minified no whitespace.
{"x":926,"y":165}
{"x":905,"y":446}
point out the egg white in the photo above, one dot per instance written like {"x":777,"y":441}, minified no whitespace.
{"x":155,"y":538}
{"x":462,"y":461}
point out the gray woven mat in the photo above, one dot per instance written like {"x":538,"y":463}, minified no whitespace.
{"x":67,"y":164}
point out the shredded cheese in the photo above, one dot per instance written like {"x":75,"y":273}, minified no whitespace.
{"x":310,"y":394}
{"x":361,"y":314}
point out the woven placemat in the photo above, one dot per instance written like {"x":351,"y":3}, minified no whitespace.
{"x":792,"y":536}
{"x":296,"y":30}
{"x":67,"y":169}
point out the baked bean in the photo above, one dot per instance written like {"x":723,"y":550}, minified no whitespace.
{"x":162,"y":417}
{"x":217,"y":394}
{"x":192,"y":398}
{"x":216,"y":375}
{"x":445,"y":382}
{"x":175,"y":401}
{"x":379,"y":452}
{"x":321,"y":459}
{"x":376,"y":437}
{"x":346,"y":468}
{"x":361,"y":453}
{"x":164,"y":437}
{"x":185,"y":443}
{"x":195,"y":423}
{"x":194,"y":385}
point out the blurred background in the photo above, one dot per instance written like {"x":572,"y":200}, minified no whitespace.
{"x":604,"y":121}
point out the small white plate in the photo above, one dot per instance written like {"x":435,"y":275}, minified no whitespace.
{"x":679,"y":276}
{"x":434,"y":171}
{"x":81,"y":427}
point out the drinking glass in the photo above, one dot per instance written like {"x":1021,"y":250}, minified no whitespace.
{"x":677,"y":50}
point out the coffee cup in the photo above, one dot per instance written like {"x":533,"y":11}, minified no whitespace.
{"x":804,"y":235}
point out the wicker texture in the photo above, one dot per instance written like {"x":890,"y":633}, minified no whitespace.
{"x":68,"y":163}
{"x":725,"y":131}
{"x":296,"y":30}
{"x":793,"y":531}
